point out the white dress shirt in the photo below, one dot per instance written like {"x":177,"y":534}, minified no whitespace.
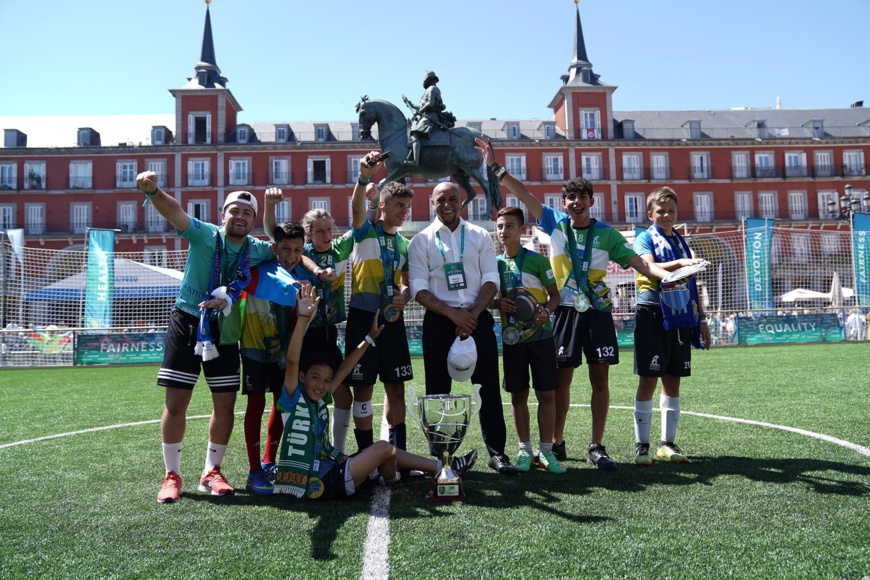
{"x":426,"y":263}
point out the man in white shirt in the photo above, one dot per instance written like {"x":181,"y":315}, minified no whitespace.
{"x":453,"y":274}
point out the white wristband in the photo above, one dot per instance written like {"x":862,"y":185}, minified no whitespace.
{"x":370,"y":340}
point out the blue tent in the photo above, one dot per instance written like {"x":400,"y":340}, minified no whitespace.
{"x":133,"y":281}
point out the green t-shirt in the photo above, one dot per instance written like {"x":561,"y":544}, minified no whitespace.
{"x":535,"y":277}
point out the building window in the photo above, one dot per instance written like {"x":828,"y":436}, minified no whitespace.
{"x":800,"y":248}
{"x":628,"y":129}
{"x":597,"y":209}
{"x":80,"y":217}
{"x":635,"y":208}
{"x":513,"y":130}
{"x":199,"y":129}
{"x":818,"y":128}
{"x":775,"y":248}
{"x":154,"y":222}
{"x":475,"y":126}
{"x":553,"y":168}
{"x":516,"y":165}
{"x":590,"y":124}
{"x":80,"y":175}
{"x":823,"y":163}
{"x":767,"y":204}
{"x":154,"y":256}
{"x":240,"y":172}
{"x":318,"y":203}
{"x":795,"y":164}
{"x":319,"y":170}
{"x":279,"y":171}
{"x":354,"y":132}
{"x":764,"y":165}
{"x":321,"y":132}
{"x":797,"y":205}
{"x":127,"y":216}
{"x":126,"y":173}
{"x":158,"y":166}
{"x":158,"y":136}
{"x":591,"y":165}
{"x":695,"y":130}
{"x":554,"y":201}
{"x":853,"y":163}
{"x":740,"y":165}
{"x":353,"y":167}
{"x":631,"y":166}
{"x":8,"y":176}
{"x":282,"y":132}
{"x":198,"y":172}
{"x":282,"y":212}
{"x":34,"y":220}
{"x":824,"y":198}
{"x":513,"y":201}
{"x":7,"y":217}
{"x":198,"y":208}
{"x":703,"y":203}
{"x":659,"y":163}
{"x":477,"y":209}
{"x":743,"y":204}
{"x":700,"y":166}
{"x":34,"y":175}
{"x":242,"y":134}
{"x":549,"y":131}
{"x":830,"y":244}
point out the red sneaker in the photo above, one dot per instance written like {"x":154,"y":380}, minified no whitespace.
{"x":215,"y":482}
{"x":170,"y":489}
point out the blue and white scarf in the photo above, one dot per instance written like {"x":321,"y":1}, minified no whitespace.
{"x":679,"y":301}
{"x":205,"y":346}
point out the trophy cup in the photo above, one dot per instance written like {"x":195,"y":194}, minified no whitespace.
{"x":445,"y":420}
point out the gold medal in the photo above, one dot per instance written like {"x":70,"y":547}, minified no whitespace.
{"x":315,"y":488}
{"x":581,"y":303}
{"x":510,"y":335}
{"x":391,"y":314}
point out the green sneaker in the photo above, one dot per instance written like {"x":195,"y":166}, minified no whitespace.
{"x":670,"y":452}
{"x":641,"y":455}
{"x":524,"y":461}
{"x":550,"y":463}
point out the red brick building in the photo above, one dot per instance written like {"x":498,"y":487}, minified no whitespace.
{"x":725,"y":165}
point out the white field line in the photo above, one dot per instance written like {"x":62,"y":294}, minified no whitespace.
{"x":376,"y":550}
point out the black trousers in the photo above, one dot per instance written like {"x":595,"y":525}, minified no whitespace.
{"x":439,"y":332}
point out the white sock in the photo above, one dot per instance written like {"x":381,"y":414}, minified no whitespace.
{"x":214,"y":456}
{"x":172,"y":457}
{"x":642,"y":420}
{"x":526,"y":446}
{"x":340,"y":427}
{"x":545,"y":447}
{"x":670,"y":417}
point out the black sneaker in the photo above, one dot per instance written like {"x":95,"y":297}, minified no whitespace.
{"x":560,"y":452}
{"x":597,"y":456}
{"x":461,"y":465}
{"x":502,"y":464}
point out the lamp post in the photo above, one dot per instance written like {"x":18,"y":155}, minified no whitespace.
{"x":849,"y":204}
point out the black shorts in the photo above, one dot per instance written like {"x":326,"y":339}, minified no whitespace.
{"x":321,"y":338}
{"x":578,"y":334}
{"x":389,"y":359}
{"x":259,"y":378}
{"x":337,"y":482}
{"x":181,"y":367}
{"x":657,"y":351}
{"x":539,"y":355}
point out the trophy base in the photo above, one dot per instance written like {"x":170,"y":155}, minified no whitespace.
{"x":444,"y":492}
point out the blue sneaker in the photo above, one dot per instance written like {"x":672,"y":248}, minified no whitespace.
{"x":270,"y":469}
{"x":258,"y":483}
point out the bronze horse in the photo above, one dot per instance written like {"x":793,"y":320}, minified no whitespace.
{"x":456,"y":157}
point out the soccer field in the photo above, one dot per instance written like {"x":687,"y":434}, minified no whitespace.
{"x":778,"y":486}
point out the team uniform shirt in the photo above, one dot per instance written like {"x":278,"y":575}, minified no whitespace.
{"x":265,"y":308}
{"x":648,"y":288}
{"x":333,"y":311}
{"x":200,"y":261}
{"x":535,"y":278}
{"x":607,"y":244}
{"x":367,"y":267}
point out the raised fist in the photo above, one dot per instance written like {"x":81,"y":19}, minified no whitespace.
{"x":274,"y":196}
{"x":147,"y":181}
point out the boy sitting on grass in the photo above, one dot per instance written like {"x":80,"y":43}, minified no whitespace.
{"x":308,"y":465}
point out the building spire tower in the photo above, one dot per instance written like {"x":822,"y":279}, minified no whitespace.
{"x":205,"y":110}
{"x":583,"y":105}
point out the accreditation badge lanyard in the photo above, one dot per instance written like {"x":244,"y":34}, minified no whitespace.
{"x":454,"y":271}
{"x":390,"y":262}
{"x":325,"y":290}
{"x":581,"y":273}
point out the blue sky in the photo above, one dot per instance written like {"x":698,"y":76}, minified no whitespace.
{"x":303,"y":60}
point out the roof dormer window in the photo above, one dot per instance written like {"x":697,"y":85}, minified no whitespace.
{"x":320,"y":132}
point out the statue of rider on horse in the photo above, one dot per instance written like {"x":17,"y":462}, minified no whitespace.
{"x":429,"y":116}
